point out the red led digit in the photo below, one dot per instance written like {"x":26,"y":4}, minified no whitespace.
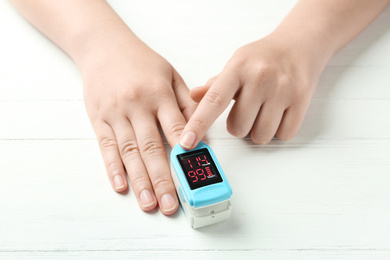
{"x":200,"y":173}
{"x":193,"y":177}
{"x":198,"y":160}
{"x":204,"y":161}
{"x":189,"y":162}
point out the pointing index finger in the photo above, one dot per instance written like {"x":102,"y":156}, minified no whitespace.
{"x":210,"y":107}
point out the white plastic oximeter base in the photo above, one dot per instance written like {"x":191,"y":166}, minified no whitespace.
{"x":204,"y":216}
{"x":197,"y":220}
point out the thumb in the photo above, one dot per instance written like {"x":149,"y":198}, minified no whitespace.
{"x":198,"y":93}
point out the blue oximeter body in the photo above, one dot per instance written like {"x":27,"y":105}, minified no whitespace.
{"x":201,"y":185}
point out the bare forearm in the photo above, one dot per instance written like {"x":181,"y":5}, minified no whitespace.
{"x":75,"y":25}
{"x":322,"y":27}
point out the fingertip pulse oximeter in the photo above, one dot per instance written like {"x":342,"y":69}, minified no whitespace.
{"x":201,"y":185}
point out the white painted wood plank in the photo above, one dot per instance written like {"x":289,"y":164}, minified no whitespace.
{"x":354,"y":82}
{"x":40,"y":83}
{"x":226,"y":255}
{"x":318,"y":195}
{"x":44,"y":120}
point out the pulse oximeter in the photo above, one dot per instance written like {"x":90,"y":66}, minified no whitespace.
{"x":201,"y":185}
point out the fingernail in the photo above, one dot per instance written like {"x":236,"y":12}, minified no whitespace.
{"x":168,"y":203}
{"x":146,"y":199}
{"x":118,"y":182}
{"x":188,"y":140}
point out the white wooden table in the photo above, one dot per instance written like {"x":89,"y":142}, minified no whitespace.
{"x":323,"y":195}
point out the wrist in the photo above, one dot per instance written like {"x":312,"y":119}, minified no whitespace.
{"x":92,"y":47}
{"x":305,"y":49}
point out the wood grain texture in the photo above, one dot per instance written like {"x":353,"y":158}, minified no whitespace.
{"x":323,"y":195}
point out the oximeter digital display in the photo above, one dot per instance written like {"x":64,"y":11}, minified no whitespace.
{"x":199,"y":168}
{"x":201,"y":185}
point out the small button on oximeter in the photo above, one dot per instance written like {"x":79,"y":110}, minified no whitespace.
{"x":201,"y":185}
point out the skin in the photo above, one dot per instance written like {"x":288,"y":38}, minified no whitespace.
{"x":130,"y":90}
{"x":273,"y":79}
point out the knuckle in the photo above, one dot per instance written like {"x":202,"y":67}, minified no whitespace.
{"x":110,"y":102}
{"x":303,"y":90}
{"x":263,"y":71}
{"x":108,"y":143}
{"x":285,"y":136}
{"x":159,"y":90}
{"x":94,"y":110}
{"x":125,"y":92}
{"x":239,"y":52}
{"x":214,"y":98}
{"x":236,"y":130}
{"x":260,"y":138}
{"x":128,"y":149}
{"x":240,"y":57}
{"x":176,"y":129}
{"x":132,"y":94}
{"x":237,"y":61}
{"x":161,"y":183}
{"x":289,"y":133}
{"x":139,"y":181}
{"x":151,"y":147}
{"x":284,"y":80}
{"x":284,"y":83}
{"x":298,"y":89}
